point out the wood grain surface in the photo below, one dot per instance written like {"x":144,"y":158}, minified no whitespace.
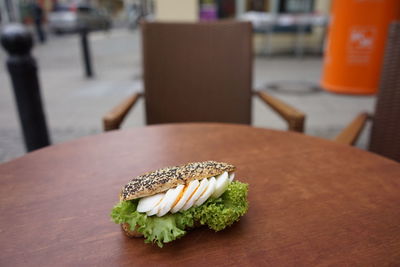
{"x":312,"y":202}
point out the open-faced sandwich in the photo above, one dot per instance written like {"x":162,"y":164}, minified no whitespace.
{"x":163,"y":204}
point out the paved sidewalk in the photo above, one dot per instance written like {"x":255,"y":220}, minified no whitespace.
{"x":74,"y":105}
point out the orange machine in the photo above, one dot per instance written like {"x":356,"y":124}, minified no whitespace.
{"x":356,"y":42}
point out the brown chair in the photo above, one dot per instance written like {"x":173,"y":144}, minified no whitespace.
{"x":199,"y":72}
{"x":385,"y":133}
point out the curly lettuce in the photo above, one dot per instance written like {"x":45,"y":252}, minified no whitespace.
{"x":217,"y":214}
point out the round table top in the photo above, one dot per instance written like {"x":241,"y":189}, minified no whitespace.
{"x":312,"y":202}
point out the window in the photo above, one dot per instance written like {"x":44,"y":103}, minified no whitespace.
{"x":296,"y":6}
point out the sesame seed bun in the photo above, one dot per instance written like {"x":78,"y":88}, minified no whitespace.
{"x":161,"y":180}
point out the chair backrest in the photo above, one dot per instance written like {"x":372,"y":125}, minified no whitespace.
{"x":385,"y":134}
{"x":195,"y":72}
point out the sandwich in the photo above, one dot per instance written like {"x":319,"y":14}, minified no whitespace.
{"x":163,"y":205}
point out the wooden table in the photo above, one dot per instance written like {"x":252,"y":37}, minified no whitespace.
{"x":312,"y":202}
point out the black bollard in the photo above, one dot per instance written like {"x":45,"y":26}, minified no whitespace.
{"x":86,"y":51}
{"x":18,"y":42}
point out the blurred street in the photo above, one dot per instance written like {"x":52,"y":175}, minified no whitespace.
{"x":75,"y":105}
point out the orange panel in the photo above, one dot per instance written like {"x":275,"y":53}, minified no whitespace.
{"x":356,"y":42}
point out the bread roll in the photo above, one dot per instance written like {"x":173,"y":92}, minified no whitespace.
{"x":163,"y":179}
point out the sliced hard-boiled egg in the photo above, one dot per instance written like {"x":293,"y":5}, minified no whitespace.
{"x":199,"y":191}
{"x":221,"y":185}
{"x":207,"y":193}
{"x":148,"y":203}
{"x":187,"y":193}
{"x":156,"y":207}
{"x":169,"y":199}
{"x":231,"y":176}
{"x":183,"y":197}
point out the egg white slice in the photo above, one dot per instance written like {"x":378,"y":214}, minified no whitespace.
{"x":231,"y":176}
{"x":156,"y":207}
{"x":187,"y":193}
{"x":169,"y":199}
{"x":148,"y":203}
{"x":207,"y":193}
{"x":200,"y":190}
{"x":221,"y":185}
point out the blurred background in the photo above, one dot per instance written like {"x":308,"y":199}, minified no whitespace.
{"x":290,"y":43}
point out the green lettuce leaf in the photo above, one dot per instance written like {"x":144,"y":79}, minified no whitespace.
{"x":161,"y":230}
{"x":217,"y":214}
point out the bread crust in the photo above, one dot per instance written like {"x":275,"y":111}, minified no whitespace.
{"x":166,"y":178}
{"x":128,"y":232}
